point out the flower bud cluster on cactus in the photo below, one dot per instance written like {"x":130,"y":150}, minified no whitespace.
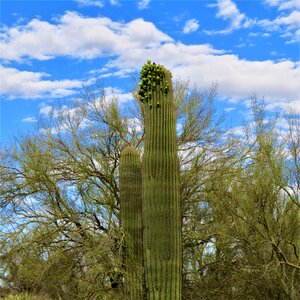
{"x":152,"y":80}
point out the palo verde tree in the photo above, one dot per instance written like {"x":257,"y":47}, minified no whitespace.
{"x":60,"y":201}
{"x":60,"y":193}
{"x":250,"y":214}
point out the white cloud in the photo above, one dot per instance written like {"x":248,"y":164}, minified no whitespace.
{"x":118,"y":94}
{"x":114,"y":2}
{"x":170,"y":54}
{"x":29,"y":120}
{"x":228,"y":11}
{"x":24,"y":84}
{"x":238,"y":131}
{"x":129,"y":45}
{"x":292,"y":21}
{"x":46,"y":110}
{"x":293,"y":4}
{"x":124,"y":73}
{"x":272,"y":2}
{"x":292,"y":106}
{"x":228,"y":109}
{"x":288,"y":25}
{"x":79,"y":37}
{"x":143,"y":4}
{"x":111,"y":93}
{"x":97,"y":3}
{"x":75,"y":112}
{"x":237,"y":78}
{"x":284,"y":4}
{"x":134,"y":124}
{"x":266,"y":34}
{"x":190,"y":26}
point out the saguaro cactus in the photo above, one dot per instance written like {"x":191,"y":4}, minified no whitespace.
{"x":131,"y":218}
{"x":161,"y":200}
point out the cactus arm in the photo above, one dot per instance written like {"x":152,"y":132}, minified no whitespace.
{"x":131,"y":218}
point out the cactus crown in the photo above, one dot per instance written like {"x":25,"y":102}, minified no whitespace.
{"x":129,"y":150}
{"x":153,"y":80}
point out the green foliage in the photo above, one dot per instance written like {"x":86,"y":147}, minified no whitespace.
{"x":252,"y":241}
{"x":60,"y":232}
{"x":25,"y":297}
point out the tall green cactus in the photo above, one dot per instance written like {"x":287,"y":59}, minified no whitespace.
{"x":131,"y":218}
{"x":161,"y":199}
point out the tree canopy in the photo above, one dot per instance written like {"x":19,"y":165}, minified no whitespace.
{"x":59,"y":197}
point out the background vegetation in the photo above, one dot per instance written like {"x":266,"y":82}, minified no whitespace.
{"x":59,"y":199}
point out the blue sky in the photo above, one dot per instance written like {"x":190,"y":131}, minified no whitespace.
{"x":49,"y":49}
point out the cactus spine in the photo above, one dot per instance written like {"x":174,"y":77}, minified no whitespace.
{"x":161,"y":200}
{"x":131,"y":218}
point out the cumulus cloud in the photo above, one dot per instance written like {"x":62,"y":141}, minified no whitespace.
{"x":292,"y":21}
{"x":110,"y":93}
{"x":143,"y":4}
{"x":288,"y":24}
{"x":118,"y":94}
{"x":134,"y":124}
{"x":170,"y":54}
{"x":288,"y":107}
{"x":190,"y":26}
{"x":46,"y":110}
{"x":25,"y":84}
{"x":127,"y":47}
{"x":228,"y":11}
{"x":34,"y":85}
{"x":237,"y":78}
{"x":73,"y":112}
{"x":284,"y":4}
{"x":78,"y":37}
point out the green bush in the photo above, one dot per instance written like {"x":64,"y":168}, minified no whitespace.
{"x":26,"y":296}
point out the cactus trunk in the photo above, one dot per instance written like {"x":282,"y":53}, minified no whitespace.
{"x":131,"y":218}
{"x":161,"y":199}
